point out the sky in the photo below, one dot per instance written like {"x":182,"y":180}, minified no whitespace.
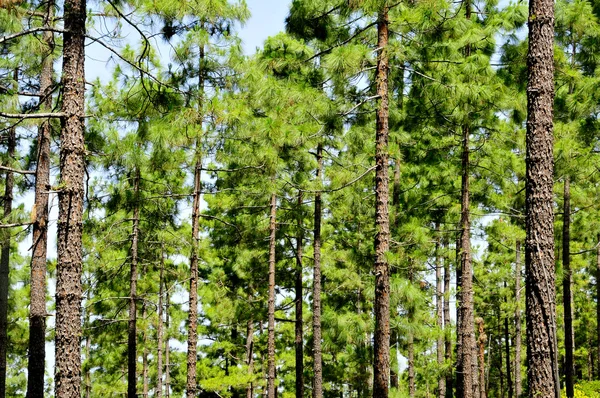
{"x":268,"y":18}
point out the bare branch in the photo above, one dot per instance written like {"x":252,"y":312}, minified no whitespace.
{"x":6,"y":168}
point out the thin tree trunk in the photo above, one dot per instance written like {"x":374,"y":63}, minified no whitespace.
{"x":37,"y":307}
{"x":167,"y":346}
{"x":598,"y":304}
{"x":299,"y":301}
{"x":482,"y":340}
{"x":67,"y":377}
{"x":249,"y":355}
{"x":439,"y":283}
{"x":192,"y":342}
{"x":447,"y":325}
{"x":394,"y":377}
{"x":271,"y":309}
{"x":381,"y":363}
{"x":317,"y":358}
{"x":145,"y":387}
{"x":540,"y":292}
{"x":88,"y":376}
{"x":5,"y":264}
{"x":518,"y":384}
{"x":412,"y":389}
{"x":567,"y":296}
{"x":507,"y":353}
{"x":133,"y":277}
{"x":159,"y":326}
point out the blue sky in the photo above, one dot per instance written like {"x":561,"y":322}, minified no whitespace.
{"x":268,"y":17}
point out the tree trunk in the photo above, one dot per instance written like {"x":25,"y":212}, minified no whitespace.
{"x":37,"y":308}
{"x":447,"y":325}
{"x":317,"y":359}
{"x":381,"y":363}
{"x":539,"y":245}
{"x":67,"y":377}
{"x":271,"y":309}
{"x":412,"y":389}
{"x":133,"y":277}
{"x":167,"y":348}
{"x":249,"y":355}
{"x":192,"y":342}
{"x":518,"y":385}
{"x":299,"y":301}
{"x":159,"y":327}
{"x":481,"y":354}
{"x":567,"y":296}
{"x":145,"y":354}
{"x":598,"y":303}
{"x":439,"y":283}
{"x":5,"y":263}
{"x":507,"y":353}
{"x":394,"y":377}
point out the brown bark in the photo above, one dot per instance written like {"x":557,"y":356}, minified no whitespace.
{"x":518,"y":383}
{"x":482,"y":340}
{"x":539,"y":245}
{"x":394,"y":377}
{"x":159,"y":327}
{"x":145,"y":387}
{"x":439,"y":283}
{"x":381,"y":363}
{"x":67,"y":375}
{"x":299,"y":346}
{"x":5,"y":263}
{"x":447,"y":325}
{"x":133,"y":277}
{"x":250,"y":355}
{"x":412,"y":388}
{"x":598,"y":304}
{"x":37,"y":308}
{"x":167,"y":347}
{"x":317,"y":356}
{"x":192,"y":342}
{"x":540,"y":292}
{"x":271,"y":303}
{"x":567,"y":296}
{"x":509,"y":380}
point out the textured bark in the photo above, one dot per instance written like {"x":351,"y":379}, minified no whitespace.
{"x":159,"y":327}
{"x":439,"y":283}
{"x":447,"y":326}
{"x":381,"y":363}
{"x":67,"y":376}
{"x":317,"y":358}
{"x":481,"y":354}
{"x":299,"y":346}
{"x":37,"y":308}
{"x":133,"y":277}
{"x":250,"y":355}
{"x":567,"y":295}
{"x":5,"y":263}
{"x":509,"y":380}
{"x":192,"y":341}
{"x":542,"y":365}
{"x":518,"y":383}
{"x":598,"y":304}
{"x":271,"y":303}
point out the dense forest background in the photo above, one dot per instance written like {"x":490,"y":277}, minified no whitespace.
{"x":343,"y":213}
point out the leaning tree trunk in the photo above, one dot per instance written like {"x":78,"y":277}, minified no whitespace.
{"x":381,"y":363}
{"x":518,"y":385}
{"x":271,"y":303}
{"x":192,"y":341}
{"x":567,"y":296}
{"x":539,"y":245}
{"x":5,"y":264}
{"x":439,"y":312}
{"x":299,"y":346}
{"x":67,"y":377}
{"x":317,"y":358}
{"x":133,"y":277}
{"x":37,"y":307}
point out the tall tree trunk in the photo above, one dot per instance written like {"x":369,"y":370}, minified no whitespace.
{"x":394,"y":377}
{"x":447,"y":324}
{"x":567,"y":296}
{"x":412,"y":388}
{"x":299,"y":301}
{"x":249,"y":355}
{"x":507,"y":353}
{"x":381,"y":363}
{"x":191,"y":386}
{"x":159,"y":326}
{"x":518,"y":384}
{"x":145,"y":387}
{"x":133,"y":277}
{"x":598,"y":303}
{"x":317,"y":359}
{"x":482,"y":340}
{"x":271,"y":303}
{"x":67,"y":377}
{"x":439,"y":283}
{"x":539,"y":245}
{"x":5,"y":264}
{"x":167,"y":345}
{"x":37,"y":307}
